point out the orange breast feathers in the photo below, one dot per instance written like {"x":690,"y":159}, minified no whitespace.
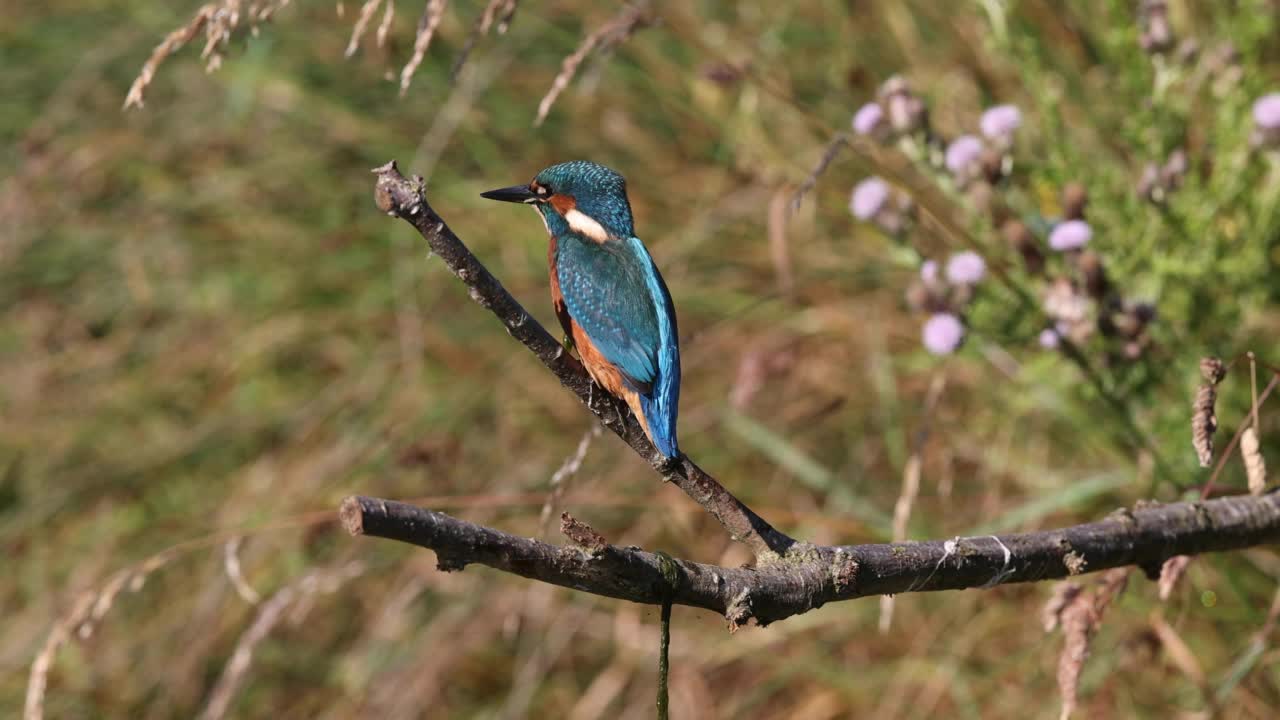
{"x":606,"y":375}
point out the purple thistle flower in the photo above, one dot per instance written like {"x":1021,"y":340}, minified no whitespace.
{"x":1000,"y":122}
{"x":929,"y":272}
{"x":1266,"y":112}
{"x":963,"y":155}
{"x":869,"y":119}
{"x":1266,"y":121}
{"x":1050,"y":339}
{"x":965,"y":268}
{"x":1070,"y":235}
{"x":869,"y":197}
{"x":942,"y":333}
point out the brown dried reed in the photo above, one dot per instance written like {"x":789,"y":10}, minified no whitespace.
{"x":607,"y":36}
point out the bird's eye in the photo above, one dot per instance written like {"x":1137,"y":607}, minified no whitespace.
{"x":542,"y":191}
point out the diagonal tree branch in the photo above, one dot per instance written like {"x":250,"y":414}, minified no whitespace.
{"x":406,"y":199}
{"x":811,"y":576}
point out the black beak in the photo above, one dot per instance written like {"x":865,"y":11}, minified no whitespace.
{"x":515,"y":194}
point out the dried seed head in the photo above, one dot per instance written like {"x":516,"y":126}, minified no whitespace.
{"x":1149,"y":187}
{"x":1075,"y":198}
{"x":1255,"y":466}
{"x":1021,"y":240}
{"x":1157,"y":34}
{"x":1204,"y":423}
{"x":1094,"y":275}
{"x":995,"y":164}
{"x":1188,"y":50}
{"x":1064,"y":303}
{"x":1212,"y":370}
{"x":1174,"y":170}
{"x":907,"y":112}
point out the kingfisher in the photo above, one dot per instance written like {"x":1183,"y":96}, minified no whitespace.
{"x":607,"y":291}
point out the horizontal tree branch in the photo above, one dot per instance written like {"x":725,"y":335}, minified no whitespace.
{"x":811,"y":576}
{"x":406,"y":199}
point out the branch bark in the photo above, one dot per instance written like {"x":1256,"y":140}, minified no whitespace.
{"x":811,"y":576}
{"x":406,"y":199}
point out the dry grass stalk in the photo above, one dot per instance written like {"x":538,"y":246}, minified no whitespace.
{"x":500,"y":10}
{"x":567,"y":470}
{"x":218,"y":20}
{"x":1204,"y":421}
{"x":171,"y":44}
{"x":427,"y":25}
{"x":1171,"y":572}
{"x":384,"y":27}
{"x":828,"y":156}
{"x":362,"y":23}
{"x":1250,"y":449}
{"x":609,"y":35}
{"x":269,"y":615}
{"x":88,"y":609}
{"x":231,"y":563}
{"x":1180,"y":653}
{"x":911,"y":484}
{"x":779,"y":247}
{"x":1080,"y":615}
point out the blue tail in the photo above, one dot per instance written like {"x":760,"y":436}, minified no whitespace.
{"x":662,"y":404}
{"x":660,"y":414}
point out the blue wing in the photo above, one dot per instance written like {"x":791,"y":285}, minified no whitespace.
{"x":614,"y":292}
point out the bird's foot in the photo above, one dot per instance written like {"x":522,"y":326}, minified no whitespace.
{"x":668,"y":464}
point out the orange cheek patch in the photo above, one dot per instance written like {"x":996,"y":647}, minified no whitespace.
{"x":562,"y":203}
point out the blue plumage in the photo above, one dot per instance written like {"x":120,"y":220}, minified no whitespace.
{"x":608,"y":292}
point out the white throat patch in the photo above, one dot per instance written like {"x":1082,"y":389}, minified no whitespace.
{"x":584,"y":224}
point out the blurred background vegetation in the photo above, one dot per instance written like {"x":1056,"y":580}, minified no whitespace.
{"x":209,"y":336}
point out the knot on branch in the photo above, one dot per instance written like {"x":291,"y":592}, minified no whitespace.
{"x":397,"y":196}
{"x":844,"y":571}
{"x":582,"y":535}
{"x":739,"y":612}
{"x":450,"y":563}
